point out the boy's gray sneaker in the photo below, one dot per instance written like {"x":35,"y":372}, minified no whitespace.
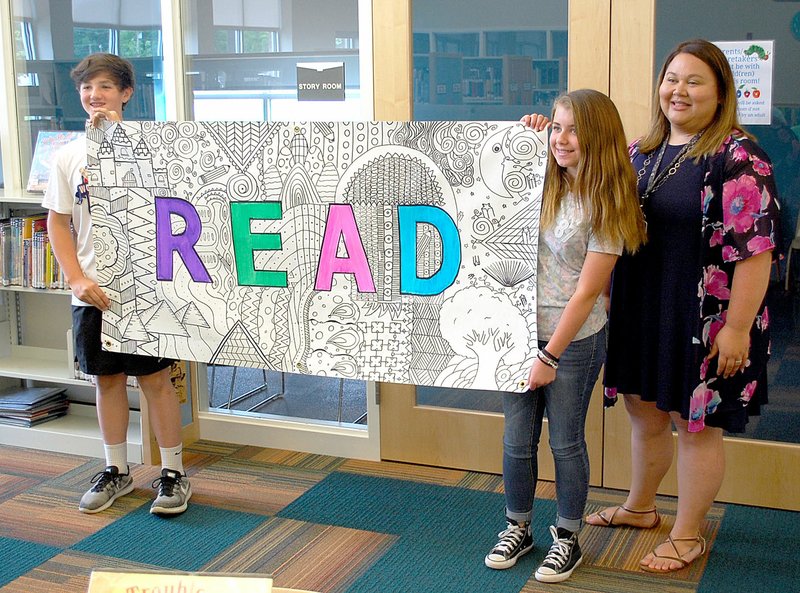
{"x":108,"y":486}
{"x":174,"y":492}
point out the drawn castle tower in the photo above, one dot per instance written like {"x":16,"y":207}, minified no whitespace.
{"x":123,"y":172}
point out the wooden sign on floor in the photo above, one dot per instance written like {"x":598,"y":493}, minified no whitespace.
{"x":177,"y":582}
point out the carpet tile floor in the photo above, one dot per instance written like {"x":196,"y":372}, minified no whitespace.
{"x":334,"y":525}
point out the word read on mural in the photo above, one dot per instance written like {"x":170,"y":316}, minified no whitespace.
{"x":385,"y":251}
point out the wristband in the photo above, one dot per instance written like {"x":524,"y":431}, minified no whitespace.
{"x":555,"y":359}
{"x":551,"y":363}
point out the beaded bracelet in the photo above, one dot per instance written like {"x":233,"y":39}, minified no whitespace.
{"x":543,"y":357}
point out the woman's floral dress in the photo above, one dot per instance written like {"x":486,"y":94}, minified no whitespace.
{"x":670,"y":299}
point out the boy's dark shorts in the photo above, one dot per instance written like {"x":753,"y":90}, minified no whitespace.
{"x":93,"y":360}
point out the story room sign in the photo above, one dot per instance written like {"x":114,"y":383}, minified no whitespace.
{"x":320,"y":81}
{"x":387,"y":251}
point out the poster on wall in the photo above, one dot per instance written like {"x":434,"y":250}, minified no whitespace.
{"x":751,"y":63}
{"x":387,"y":251}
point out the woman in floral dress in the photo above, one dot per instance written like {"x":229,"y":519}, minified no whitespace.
{"x":688,"y":328}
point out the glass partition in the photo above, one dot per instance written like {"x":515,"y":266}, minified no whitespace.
{"x":474,"y":64}
{"x":242,"y":58}
{"x":51,"y":37}
{"x":471,"y":63}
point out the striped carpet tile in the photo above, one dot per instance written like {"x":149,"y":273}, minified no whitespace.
{"x":332,"y":525}
{"x":36,"y":464}
{"x":296,"y":459}
{"x":213,"y":449}
{"x":303,"y":555}
{"x":590,"y":579}
{"x":483,"y":482}
{"x":11,"y":485}
{"x":404,"y":471}
{"x":621,"y":548}
{"x":68,"y":572}
{"x":247,"y":486}
{"x":49,"y":515}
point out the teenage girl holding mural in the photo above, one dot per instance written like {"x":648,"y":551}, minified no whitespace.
{"x":590,"y":214}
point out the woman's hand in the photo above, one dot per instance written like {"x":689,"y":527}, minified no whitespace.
{"x":536,"y":121}
{"x":732,"y":347}
{"x":732,"y":344}
{"x":540,"y":375}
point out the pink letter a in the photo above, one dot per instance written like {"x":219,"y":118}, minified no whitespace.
{"x":341,"y":223}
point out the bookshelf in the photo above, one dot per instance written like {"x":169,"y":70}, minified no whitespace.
{"x":34,"y":350}
{"x":483,"y":80}
{"x":488,"y":72}
{"x":77,"y":432}
{"x":500,"y":79}
{"x":438,"y":79}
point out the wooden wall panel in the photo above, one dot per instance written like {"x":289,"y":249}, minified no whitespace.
{"x":391,"y":59}
{"x":589,"y":48}
{"x":632,"y":62}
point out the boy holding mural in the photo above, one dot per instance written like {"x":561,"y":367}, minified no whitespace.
{"x":105,"y":83}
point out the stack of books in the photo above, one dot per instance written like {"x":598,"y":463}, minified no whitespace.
{"x":29,"y":406}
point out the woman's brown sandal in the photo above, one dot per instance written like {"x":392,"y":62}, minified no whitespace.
{"x":609,"y":521}
{"x":680,"y":559}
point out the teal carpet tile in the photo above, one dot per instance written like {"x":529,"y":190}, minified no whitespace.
{"x":755,"y":550}
{"x":442,"y":532}
{"x":184,"y":542}
{"x":18,"y":557}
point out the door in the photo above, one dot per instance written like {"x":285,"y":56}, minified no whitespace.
{"x":762,"y":463}
{"x":420,"y":427}
{"x":457,"y":428}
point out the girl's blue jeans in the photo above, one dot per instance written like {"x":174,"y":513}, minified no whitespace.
{"x":566,"y":401}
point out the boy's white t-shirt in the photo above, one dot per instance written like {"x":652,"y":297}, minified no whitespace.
{"x":60,"y":196}
{"x":562,"y":251}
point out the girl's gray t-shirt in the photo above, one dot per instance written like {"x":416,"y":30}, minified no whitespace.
{"x":562,"y":250}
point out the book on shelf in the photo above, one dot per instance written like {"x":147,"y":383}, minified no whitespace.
{"x":47,"y":144}
{"x":29,"y":406}
{"x":26,"y":256}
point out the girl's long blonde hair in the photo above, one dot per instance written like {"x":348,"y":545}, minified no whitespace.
{"x":725,"y":120}
{"x":605,"y":183}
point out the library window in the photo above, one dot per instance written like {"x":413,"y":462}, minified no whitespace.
{"x":348,"y":40}
{"x":90,"y":40}
{"x":245,"y":41}
{"x":140,"y":43}
{"x":242,"y":57}
{"x":24,"y":46}
{"x":242,"y":63}
{"x":124,"y":42}
{"x":51,"y":37}
{"x":495,"y":68}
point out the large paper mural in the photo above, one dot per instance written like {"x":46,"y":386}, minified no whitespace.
{"x":386,"y":251}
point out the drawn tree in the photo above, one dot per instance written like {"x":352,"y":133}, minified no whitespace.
{"x":485,"y":326}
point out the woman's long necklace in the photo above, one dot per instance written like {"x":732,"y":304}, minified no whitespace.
{"x":656,"y":180}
